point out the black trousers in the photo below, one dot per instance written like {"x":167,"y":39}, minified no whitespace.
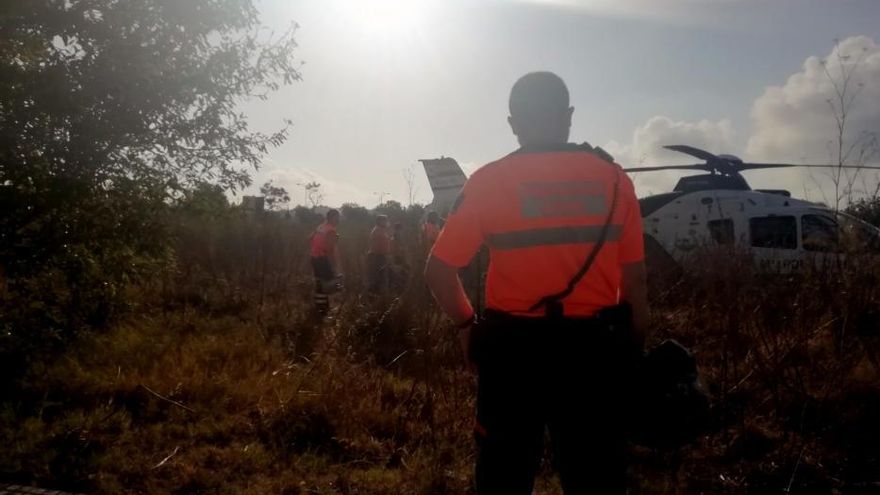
{"x":568,"y":376}
{"x":377,"y":272}
{"x":323,"y":271}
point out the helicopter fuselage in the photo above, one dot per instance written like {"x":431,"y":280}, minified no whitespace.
{"x":718,"y":210}
{"x":779,"y":232}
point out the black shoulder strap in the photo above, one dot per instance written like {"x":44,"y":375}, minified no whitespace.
{"x":552,"y":301}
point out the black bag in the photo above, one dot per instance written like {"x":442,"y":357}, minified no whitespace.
{"x":669,"y":407}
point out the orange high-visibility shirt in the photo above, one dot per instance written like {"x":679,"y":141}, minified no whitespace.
{"x":319,"y":243}
{"x":540,"y":213}
{"x":380,"y":241}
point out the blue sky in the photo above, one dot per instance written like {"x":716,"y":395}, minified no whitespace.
{"x":386,"y":82}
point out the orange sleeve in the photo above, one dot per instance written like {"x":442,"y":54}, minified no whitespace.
{"x":462,"y":236}
{"x":632,"y":243}
{"x":330,"y":239}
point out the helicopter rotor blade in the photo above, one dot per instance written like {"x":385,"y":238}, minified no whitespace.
{"x":757,"y":166}
{"x":702,"y":167}
{"x":694,"y":152}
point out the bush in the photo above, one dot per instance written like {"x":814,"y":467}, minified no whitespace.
{"x":867,"y":209}
{"x":103,"y":124}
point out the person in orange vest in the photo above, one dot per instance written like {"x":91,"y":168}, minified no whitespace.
{"x":324,"y":255}
{"x":431,"y":229}
{"x":566,"y":299}
{"x":397,"y":244}
{"x":378,"y":256}
{"x":398,"y":265}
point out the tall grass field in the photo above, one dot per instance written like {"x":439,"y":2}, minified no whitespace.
{"x":220,"y":379}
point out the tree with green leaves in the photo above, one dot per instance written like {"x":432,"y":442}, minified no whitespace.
{"x":204,"y":200}
{"x":276,"y":196}
{"x":314,"y":193}
{"x":109,"y":111}
{"x":393,"y":209}
{"x":355,"y":213}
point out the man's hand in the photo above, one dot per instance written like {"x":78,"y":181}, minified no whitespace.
{"x":446,"y":286}
{"x":635,"y":292}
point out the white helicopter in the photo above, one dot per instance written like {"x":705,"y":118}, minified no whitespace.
{"x":718,"y":210}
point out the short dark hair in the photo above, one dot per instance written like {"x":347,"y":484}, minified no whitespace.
{"x":332,"y":214}
{"x":538,"y":95}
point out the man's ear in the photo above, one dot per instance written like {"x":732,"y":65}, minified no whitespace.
{"x":570,"y":113}
{"x":512,"y":123}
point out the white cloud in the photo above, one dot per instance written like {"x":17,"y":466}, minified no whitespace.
{"x":792,"y":123}
{"x":681,"y":11}
{"x":795,"y":121}
{"x":646,"y":148}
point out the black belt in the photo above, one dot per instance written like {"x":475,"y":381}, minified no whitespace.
{"x":618,"y":317}
{"x":496,"y":314}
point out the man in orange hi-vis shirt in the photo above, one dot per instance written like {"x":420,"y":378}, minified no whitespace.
{"x":325,"y":260}
{"x":378,"y":256}
{"x":566,"y":298}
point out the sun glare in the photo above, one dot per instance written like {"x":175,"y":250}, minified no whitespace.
{"x":387,"y":18}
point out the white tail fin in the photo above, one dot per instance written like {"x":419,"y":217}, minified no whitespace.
{"x":446,"y":179}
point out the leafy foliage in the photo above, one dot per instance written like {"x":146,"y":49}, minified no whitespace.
{"x":354,"y":212}
{"x":205,"y":200}
{"x":314,"y":193}
{"x":393,"y":209}
{"x":276,"y":196}
{"x":867,"y":209}
{"x":109,"y":110}
{"x":306,"y":216}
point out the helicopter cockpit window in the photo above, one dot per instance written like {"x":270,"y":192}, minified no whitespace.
{"x":820,"y":233}
{"x":773,"y":232}
{"x":721,"y":231}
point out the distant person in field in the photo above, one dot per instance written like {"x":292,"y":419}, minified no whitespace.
{"x":397,"y":243}
{"x":398,"y":267}
{"x":325,"y":260}
{"x":566,"y":298}
{"x":378,"y":256}
{"x":431,"y":229}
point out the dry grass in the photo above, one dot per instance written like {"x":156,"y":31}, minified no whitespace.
{"x":222,"y":382}
{"x":234,"y":411}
